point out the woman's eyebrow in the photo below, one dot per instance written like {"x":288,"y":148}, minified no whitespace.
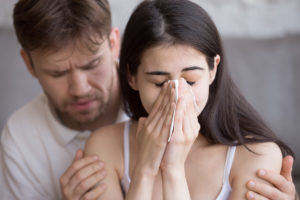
{"x":162,"y":73}
{"x":192,"y":68}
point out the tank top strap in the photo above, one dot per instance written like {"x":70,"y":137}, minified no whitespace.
{"x":226,"y":187}
{"x":228,"y":163}
{"x":126,"y":145}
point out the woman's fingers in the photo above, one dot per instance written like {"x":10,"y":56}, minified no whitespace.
{"x":164,"y":124}
{"x":179,"y":116}
{"x":156,"y":112}
{"x":157,"y":103}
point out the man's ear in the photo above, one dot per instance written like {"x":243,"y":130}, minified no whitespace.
{"x":114,"y":39}
{"x":28,"y":62}
{"x":132,"y":80}
{"x":213,"y":72}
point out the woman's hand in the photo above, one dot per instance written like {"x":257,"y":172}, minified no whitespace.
{"x":153,"y":131}
{"x":186,"y":130}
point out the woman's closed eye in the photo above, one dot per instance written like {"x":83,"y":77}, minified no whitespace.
{"x":162,"y":83}
{"x":190,"y":83}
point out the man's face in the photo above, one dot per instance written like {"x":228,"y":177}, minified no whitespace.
{"x":78,"y":82}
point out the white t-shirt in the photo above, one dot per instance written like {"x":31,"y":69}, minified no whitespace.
{"x":35,"y":151}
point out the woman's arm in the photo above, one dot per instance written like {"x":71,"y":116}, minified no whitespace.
{"x":106,"y":143}
{"x":268,"y":156}
{"x":175,"y":184}
{"x":282,"y":186}
{"x":186,"y":130}
{"x":151,"y":137}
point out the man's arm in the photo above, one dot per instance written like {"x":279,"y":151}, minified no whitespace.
{"x":283,"y":186}
{"x":17,"y":179}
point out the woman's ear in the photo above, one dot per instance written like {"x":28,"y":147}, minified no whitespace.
{"x":28,"y":62}
{"x":213,"y":72}
{"x":132,"y":80}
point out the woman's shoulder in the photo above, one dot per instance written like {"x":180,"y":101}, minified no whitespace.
{"x":259,"y":153}
{"x":248,"y":159}
{"x":105,"y":139}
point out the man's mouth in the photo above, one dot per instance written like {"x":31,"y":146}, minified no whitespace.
{"x":82,"y":105}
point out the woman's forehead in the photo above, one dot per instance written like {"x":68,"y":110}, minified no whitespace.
{"x":166,"y":57}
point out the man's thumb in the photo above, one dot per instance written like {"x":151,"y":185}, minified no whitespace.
{"x":79,"y":155}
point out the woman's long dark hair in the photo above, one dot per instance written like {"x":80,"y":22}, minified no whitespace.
{"x":227,"y":118}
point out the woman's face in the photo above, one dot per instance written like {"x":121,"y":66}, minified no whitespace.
{"x":172,"y":62}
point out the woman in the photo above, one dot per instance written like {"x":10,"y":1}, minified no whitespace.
{"x":218,"y":140}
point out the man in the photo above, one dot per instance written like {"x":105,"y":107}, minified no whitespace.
{"x":71,"y":48}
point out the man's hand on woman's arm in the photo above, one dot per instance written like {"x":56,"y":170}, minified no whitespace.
{"x":283,"y":186}
{"x":80,"y":180}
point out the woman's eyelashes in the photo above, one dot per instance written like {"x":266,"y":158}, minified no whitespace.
{"x":190,"y":83}
{"x":162,"y":83}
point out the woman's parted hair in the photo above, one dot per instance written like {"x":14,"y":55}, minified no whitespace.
{"x":227,"y":118}
{"x":51,"y":24}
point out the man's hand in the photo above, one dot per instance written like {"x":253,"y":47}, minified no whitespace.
{"x":81,"y":179}
{"x":283,"y":187}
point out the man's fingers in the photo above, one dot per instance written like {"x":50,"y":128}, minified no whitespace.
{"x":90,"y":182}
{"x":265,"y":190}
{"x":287,"y":166}
{"x":77,"y":165}
{"x":78,"y":155}
{"x":96,"y":192}
{"x":254,"y":196}
{"x":78,"y":178}
{"x":275,"y":179}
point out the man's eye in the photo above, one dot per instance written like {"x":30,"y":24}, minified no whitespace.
{"x":57,"y":74}
{"x":90,"y":67}
{"x":160,"y":84}
{"x":190,"y":83}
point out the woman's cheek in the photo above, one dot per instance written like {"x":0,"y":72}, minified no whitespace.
{"x":148,"y":97}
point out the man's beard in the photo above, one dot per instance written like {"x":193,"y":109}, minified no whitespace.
{"x":80,"y":119}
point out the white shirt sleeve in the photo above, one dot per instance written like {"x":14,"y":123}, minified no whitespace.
{"x":17,"y":179}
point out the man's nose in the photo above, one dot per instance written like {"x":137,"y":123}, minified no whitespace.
{"x":79,"y":84}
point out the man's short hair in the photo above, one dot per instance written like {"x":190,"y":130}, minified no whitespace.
{"x":49,"y":25}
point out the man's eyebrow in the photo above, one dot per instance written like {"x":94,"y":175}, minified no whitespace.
{"x":91,"y":62}
{"x":192,"y":68}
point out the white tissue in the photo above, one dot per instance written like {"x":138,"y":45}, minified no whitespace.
{"x":176,"y":96}
{"x":173,"y":117}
